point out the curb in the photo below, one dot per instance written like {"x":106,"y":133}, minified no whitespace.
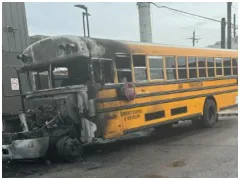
{"x":228,"y":114}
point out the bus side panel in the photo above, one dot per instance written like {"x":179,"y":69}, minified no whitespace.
{"x":111,"y":124}
{"x":119,"y":116}
{"x":226,"y":100}
{"x":116,"y":123}
{"x":119,"y":122}
{"x":111,"y":93}
{"x":162,"y":113}
{"x":142,"y":101}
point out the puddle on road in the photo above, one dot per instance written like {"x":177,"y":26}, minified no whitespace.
{"x":175,"y":164}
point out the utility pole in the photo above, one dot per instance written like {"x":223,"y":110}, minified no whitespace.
{"x":194,"y":39}
{"x":229,"y":17}
{"x":145,"y":21}
{"x":223,"y":33}
{"x":234,"y":26}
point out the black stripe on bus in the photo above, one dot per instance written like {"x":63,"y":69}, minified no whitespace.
{"x":161,"y":123}
{"x":140,"y":84}
{"x":166,"y":92}
{"x":179,"y":110}
{"x":154,"y":115}
{"x":162,"y":101}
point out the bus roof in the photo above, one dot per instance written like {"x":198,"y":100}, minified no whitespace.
{"x":56,"y":48}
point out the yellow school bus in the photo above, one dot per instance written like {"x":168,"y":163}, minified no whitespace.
{"x":83,"y":89}
{"x":171,"y":84}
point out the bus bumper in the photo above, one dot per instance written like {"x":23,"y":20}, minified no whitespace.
{"x":25,"y":149}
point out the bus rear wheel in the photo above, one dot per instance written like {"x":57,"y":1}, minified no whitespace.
{"x":209,"y":117}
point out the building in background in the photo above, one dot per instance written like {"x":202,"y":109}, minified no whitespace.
{"x":218,"y":44}
{"x":36,"y":38}
{"x":14,"y":40}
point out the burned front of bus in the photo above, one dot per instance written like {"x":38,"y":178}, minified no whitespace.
{"x":59,"y":114}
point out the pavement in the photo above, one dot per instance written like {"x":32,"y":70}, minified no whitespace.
{"x":229,"y":112}
{"x":183,"y":152}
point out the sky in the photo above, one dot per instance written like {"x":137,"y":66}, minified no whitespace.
{"x":119,"y":20}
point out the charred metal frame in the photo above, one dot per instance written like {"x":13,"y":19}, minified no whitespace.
{"x":88,"y":123}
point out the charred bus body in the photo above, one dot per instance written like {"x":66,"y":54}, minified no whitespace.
{"x":82,"y":90}
{"x":60,"y":107}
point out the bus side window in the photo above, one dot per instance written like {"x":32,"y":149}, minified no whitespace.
{"x":123,"y":65}
{"x":103,"y":70}
{"x":107,"y":68}
{"x":170,"y":67}
{"x":210,"y":64}
{"x":227,"y":66}
{"x":218,"y":64}
{"x":140,"y":70}
{"x":156,"y":67}
{"x":234,"y":66}
{"x":97,"y":71}
{"x":202,"y":67}
{"x":182,"y":67}
{"x":192,"y":65}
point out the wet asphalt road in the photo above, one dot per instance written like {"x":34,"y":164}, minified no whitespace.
{"x":183,"y":152}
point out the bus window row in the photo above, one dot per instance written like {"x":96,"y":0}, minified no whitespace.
{"x":144,"y":68}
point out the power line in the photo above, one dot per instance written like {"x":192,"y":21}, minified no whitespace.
{"x":181,"y":14}
{"x":185,"y":15}
{"x":184,"y":12}
{"x":176,"y":10}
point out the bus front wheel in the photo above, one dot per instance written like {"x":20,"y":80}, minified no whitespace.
{"x":209,"y":117}
{"x":69,"y":148}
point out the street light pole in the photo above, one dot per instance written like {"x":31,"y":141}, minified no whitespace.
{"x":87,"y":22}
{"x":85,"y":14}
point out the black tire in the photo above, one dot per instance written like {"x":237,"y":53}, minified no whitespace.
{"x":69,"y":148}
{"x":209,"y":117}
